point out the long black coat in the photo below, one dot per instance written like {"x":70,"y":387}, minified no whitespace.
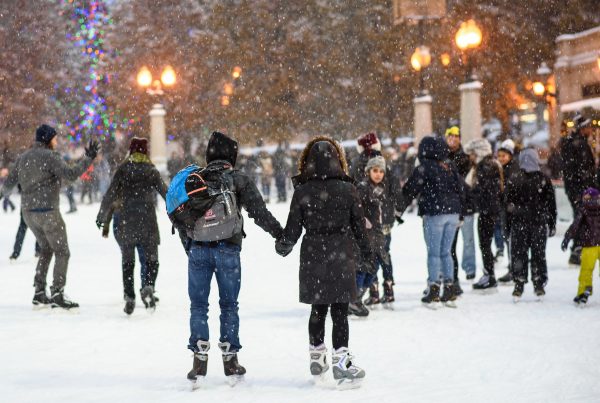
{"x":488,"y":187}
{"x":578,"y":165}
{"x":530,"y":200}
{"x":134,"y":185}
{"x":326,"y":204}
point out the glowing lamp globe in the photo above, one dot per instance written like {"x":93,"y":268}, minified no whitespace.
{"x":168,"y":76}
{"x":144,"y":77}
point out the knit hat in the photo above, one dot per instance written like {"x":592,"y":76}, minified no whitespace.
{"x":592,"y":193}
{"x":480,"y":147}
{"x":375,"y":162}
{"x":221,"y":147}
{"x":580,"y":121}
{"x":368,"y":142}
{"x":453,"y":131}
{"x":138,"y":145}
{"x":507,"y":146}
{"x":44,"y":134}
{"x":529,"y":160}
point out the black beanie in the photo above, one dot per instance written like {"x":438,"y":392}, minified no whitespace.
{"x":221,"y":147}
{"x":44,"y":134}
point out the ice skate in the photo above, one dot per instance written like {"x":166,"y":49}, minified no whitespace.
{"x":231,"y":367}
{"x":318,"y":363}
{"x":200,"y":365}
{"x":346,"y":374}
{"x":148,"y":299}
{"x":506,"y":279}
{"x":357,"y":307}
{"x":457,"y":290}
{"x":129,"y":305}
{"x":470,"y":278}
{"x":388,"y":295}
{"x":373,"y":299}
{"x":486,"y":285}
{"x":448,"y":298}
{"x":431,"y":300}
{"x":60,"y":300}
{"x":518,"y":292}
{"x":539,"y":291}
{"x":40,"y":300}
{"x":581,"y":299}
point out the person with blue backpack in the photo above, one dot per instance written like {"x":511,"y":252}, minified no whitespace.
{"x":135,"y":184}
{"x":204,"y":205}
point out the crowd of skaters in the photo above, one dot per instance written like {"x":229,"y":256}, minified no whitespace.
{"x":347,"y":209}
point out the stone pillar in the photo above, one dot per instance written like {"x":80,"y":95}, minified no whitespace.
{"x":470,"y":111}
{"x":423,"y":126}
{"x":158,"y":137}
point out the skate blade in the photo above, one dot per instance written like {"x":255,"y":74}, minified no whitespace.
{"x":198,"y":383}
{"x":347,"y":384}
{"x":505,"y":283}
{"x":68,"y":311}
{"x":434,"y":306}
{"x":516,"y":300}
{"x":486,"y":291}
{"x":233,"y":380}
{"x":450,"y":304}
{"x":539,"y":298}
{"x":388,"y":306}
{"x":320,"y":380}
{"x":40,"y":307}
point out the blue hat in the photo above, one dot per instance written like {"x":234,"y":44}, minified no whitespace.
{"x":44,"y":134}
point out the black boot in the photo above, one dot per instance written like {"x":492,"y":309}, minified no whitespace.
{"x":200,"y":364}
{"x":388,"y":292}
{"x":518,"y":291}
{"x":432,"y":297}
{"x":538,"y":289}
{"x":147,"y":294}
{"x":129,"y":305}
{"x":357,"y":307}
{"x":373,"y":295}
{"x":448,"y":298}
{"x":59,"y":300}
{"x":40,"y":299}
{"x":231,"y":366}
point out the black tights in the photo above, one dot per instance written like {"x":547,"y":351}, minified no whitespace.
{"x":316,"y":324}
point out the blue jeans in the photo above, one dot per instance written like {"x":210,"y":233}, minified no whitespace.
{"x":364,"y":279}
{"x":224,"y":261}
{"x":439,"y":231}
{"x":498,"y":236}
{"x":468,"y":263}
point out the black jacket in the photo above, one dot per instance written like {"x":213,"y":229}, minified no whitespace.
{"x":487,"y":190}
{"x":578,"y":164}
{"x":586,"y":226}
{"x":327,"y":206}
{"x":134,"y":184}
{"x":461,"y":160}
{"x":530,"y":200}
{"x":436,"y":181}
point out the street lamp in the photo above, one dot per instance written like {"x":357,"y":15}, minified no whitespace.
{"x":155,"y":87}
{"x":545,"y":92}
{"x":420,"y":60}
{"x":237,"y":72}
{"x":468,"y":37}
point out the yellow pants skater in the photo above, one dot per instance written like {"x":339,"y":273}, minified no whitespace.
{"x":589,"y":255}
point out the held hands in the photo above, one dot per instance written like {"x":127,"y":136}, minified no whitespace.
{"x":282,"y":247}
{"x":92,"y":149}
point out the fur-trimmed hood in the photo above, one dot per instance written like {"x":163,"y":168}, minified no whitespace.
{"x":322,"y":158}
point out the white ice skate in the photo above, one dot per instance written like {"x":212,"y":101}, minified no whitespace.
{"x":346,"y":374}
{"x":318,"y":363}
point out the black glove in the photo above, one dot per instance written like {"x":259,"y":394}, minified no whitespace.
{"x":283,"y":248}
{"x":99,"y":223}
{"x":564,"y":245}
{"x":399,"y":220}
{"x":92,"y":149}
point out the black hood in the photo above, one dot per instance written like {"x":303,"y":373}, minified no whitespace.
{"x":221,"y":147}
{"x":433,"y":148}
{"x":322,"y":162}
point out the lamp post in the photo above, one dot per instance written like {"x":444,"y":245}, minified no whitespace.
{"x":423,"y":126}
{"x":468,"y":38}
{"x":158,"y":138}
{"x":545,"y":92}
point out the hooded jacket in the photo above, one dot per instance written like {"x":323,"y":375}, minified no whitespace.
{"x":586,"y":226}
{"x":436,"y":181}
{"x":326,"y":205}
{"x":578,"y":164}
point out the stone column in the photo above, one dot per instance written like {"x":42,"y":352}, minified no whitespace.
{"x":470,"y":111}
{"x":158,"y":138}
{"x":423,"y":126}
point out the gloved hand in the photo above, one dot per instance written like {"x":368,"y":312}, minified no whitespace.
{"x":564,"y":245}
{"x":99,"y":223}
{"x":399,"y":220}
{"x":92,"y":149}
{"x":283,"y":248}
{"x":551,"y":231}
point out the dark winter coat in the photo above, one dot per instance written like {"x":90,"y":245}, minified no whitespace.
{"x":374,"y":198}
{"x":578,"y":164}
{"x":463,"y":164}
{"x":359,"y":163}
{"x":436,"y":181}
{"x":134,"y":184}
{"x":488,"y":186}
{"x":586,"y":226}
{"x":327,"y":206}
{"x":40,"y":172}
{"x":530,"y":200}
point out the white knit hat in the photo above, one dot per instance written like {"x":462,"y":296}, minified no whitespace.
{"x":508,"y":146}
{"x":480,"y":147}
{"x":378,"y":162}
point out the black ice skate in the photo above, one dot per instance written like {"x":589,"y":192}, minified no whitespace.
{"x":129,"y":305}
{"x":40,"y":300}
{"x":458,"y":291}
{"x":357,"y":307}
{"x":518,"y":291}
{"x":200,"y":364}
{"x":388,"y":293}
{"x":582,"y":298}
{"x":233,"y":370}
{"x":148,"y":299}
{"x":60,"y":300}
{"x":470,"y":277}
{"x":506,"y":279}
{"x":448,"y":298}
{"x":539,"y":291}
{"x":373,"y":295}
{"x":318,"y":362}
{"x":486,"y":284}
{"x":431,"y":299}
{"x":346,"y":374}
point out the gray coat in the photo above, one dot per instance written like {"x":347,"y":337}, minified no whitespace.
{"x":40,"y":171}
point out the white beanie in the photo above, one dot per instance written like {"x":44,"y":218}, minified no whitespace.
{"x":378,"y":162}
{"x":508,"y":146}
{"x":480,"y":147}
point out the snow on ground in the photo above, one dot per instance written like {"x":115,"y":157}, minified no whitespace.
{"x":488,"y":349}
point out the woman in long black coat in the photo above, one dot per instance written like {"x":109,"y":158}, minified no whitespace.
{"x":327,"y":205}
{"x":135,"y":184}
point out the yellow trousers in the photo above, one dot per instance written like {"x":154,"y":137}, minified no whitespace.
{"x":589,"y":255}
